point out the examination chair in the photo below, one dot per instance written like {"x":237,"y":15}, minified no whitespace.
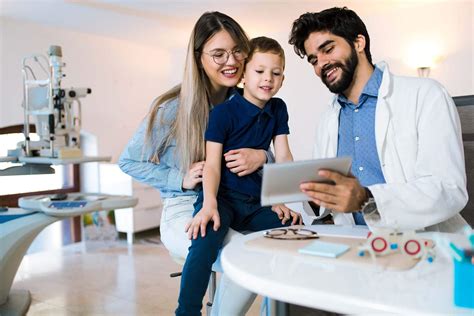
{"x":465,"y":107}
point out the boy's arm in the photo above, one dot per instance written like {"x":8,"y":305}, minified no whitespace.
{"x":282,"y":148}
{"x":283,"y":154}
{"x":211,"y":180}
{"x":212,"y":173}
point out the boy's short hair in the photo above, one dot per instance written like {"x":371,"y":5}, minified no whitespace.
{"x":264,"y":44}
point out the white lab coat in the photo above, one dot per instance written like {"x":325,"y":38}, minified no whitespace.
{"x":419,"y":144}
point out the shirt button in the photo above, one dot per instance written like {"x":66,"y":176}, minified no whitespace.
{"x":356,"y":138}
{"x":361,"y":168}
{"x":356,"y":110}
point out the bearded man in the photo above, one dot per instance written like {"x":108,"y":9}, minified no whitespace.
{"x":403,"y":133}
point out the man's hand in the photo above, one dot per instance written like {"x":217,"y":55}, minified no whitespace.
{"x":199,"y":222}
{"x":285,"y":214}
{"x":193,"y":176}
{"x":347,"y":195}
{"x":244,"y":161}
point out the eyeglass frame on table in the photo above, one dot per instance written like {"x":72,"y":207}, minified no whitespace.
{"x":298,"y":234}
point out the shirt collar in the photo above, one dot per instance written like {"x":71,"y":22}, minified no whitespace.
{"x":232,"y":92}
{"x":385,"y":87}
{"x":251,"y":109}
{"x":371,"y":87}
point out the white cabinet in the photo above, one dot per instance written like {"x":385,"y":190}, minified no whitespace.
{"x":145,"y":215}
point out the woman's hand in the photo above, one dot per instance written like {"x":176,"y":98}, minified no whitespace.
{"x":244,"y":161}
{"x":284,"y":213}
{"x":199,"y":222}
{"x":193,"y":176}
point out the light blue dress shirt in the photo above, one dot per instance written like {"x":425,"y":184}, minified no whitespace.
{"x":356,"y":135}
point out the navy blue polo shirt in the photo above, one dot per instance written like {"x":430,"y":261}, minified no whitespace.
{"x":236,"y":124}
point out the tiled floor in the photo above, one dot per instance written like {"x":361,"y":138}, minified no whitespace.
{"x":103,"y":279}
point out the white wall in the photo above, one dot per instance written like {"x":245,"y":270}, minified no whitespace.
{"x":393,"y":28}
{"x":125,"y":76}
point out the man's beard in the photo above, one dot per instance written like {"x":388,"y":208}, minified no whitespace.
{"x":347,"y":73}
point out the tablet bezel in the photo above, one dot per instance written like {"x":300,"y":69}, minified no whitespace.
{"x":281,"y":180}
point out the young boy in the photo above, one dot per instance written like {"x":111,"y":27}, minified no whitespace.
{"x":228,"y":200}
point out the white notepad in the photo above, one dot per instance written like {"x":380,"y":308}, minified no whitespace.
{"x":324,"y":249}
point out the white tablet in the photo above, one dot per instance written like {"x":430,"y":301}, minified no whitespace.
{"x":281,"y":181}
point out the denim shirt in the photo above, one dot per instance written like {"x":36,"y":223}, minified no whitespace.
{"x":136,"y":158}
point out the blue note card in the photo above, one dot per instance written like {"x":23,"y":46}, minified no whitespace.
{"x":325,"y":249}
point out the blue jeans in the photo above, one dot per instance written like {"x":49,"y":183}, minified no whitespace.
{"x":236,"y":210}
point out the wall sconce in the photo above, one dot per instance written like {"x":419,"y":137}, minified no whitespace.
{"x":424,"y":72}
{"x":423,"y":55}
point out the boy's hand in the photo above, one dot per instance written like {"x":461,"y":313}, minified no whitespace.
{"x":199,"y":222}
{"x":284,"y":213}
{"x":193,"y":176}
{"x":244,"y":161}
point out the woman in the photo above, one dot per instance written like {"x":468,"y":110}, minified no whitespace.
{"x":168,"y":150}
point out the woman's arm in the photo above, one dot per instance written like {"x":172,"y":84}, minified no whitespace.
{"x":139,"y":158}
{"x":211,"y":180}
{"x":137,"y":161}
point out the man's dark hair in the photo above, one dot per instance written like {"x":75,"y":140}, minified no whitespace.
{"x":338,"y":21}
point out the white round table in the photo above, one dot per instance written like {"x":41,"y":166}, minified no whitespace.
{"x":307,"y":280}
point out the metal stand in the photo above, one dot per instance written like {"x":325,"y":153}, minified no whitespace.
{"x":130,"y":238}
{"x":211,"y":287}
{"x":212,"y":292}
{"x":279,"y":308}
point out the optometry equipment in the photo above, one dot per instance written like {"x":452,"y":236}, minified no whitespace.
{"x":383,"y":241}
{"x":56,"y":113}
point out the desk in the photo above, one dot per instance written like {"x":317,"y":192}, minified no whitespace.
{"x":15,"y":238}
{"x":304,"y":280}
{"x":18,"y":229}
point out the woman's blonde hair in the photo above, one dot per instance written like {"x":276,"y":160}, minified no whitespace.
{"x":194,"y":92}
